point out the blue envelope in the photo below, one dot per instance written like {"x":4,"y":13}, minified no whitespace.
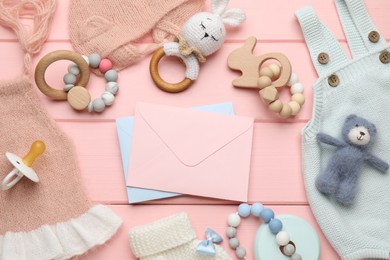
{"x":125,"y":126}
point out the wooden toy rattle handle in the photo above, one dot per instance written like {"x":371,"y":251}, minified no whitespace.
{"x":36,"y":149}
{"x":47,"y":60}
{"x":162,"y":84}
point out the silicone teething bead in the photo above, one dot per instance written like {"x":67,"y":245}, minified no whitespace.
{"x":108,"y":98}
{"x":296,"y":257}
{"x":231,"y":232}
{"x":244,"y":210}
{"x":68,"y":87}
{"x":105,"y":65}
{"x":240,"y":252}
{"x":72,"y":68}
{"x":275,"y":225}
{"x":112,"y":87}
{"x":70,"y":78}
{"x":282,"y":238}
{"x":256,"y":209}
{"x":267,"y":214}
{"x":98,"y":105}
{"x":36,"y":149}
{"x":234,"y":220}
{"x":289,"y":249}
{"x":234,"y":243}
{"x":293,"y":79}
{"x":296,"y":88}
{"x":111,"y":75}
{"x":94,"y":60}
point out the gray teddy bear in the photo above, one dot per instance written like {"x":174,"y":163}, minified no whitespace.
{"x":341,"y":174}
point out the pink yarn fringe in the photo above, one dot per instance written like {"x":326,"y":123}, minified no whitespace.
{"x":41,"y":11}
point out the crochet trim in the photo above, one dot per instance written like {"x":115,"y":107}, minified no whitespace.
{"x":62,"y":240}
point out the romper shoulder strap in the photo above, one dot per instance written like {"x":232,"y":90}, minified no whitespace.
{"x":31,"y":40}
{"x":325,"y":51}
{"x":362,"y":35}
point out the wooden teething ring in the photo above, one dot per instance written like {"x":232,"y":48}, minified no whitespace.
{"x":162,"y":84}
{"x":46,"y":61}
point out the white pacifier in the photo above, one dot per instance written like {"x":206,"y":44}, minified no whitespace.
{"x":23,"y":166}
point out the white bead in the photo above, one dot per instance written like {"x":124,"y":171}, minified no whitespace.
{"x":72,"y":68}
{"x":293,"y":79}
{"x":90,"y":107}
{"x":275,"y":69}
{"x":85,"y":57}
{"x":68,"y":87}
{"x":98,"y":105}
{"x":234,"y":220}
{"x":289,"y":250}
{"x":282,"y":238}
{"x":296,"y":257}
{"x":296,"y":88}
{"x":108,"y":98}
{"x":112,"y":87}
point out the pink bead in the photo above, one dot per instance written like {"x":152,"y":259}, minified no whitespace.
{"x":105,"y":65}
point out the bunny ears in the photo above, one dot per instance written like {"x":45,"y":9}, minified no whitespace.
{"x":232,"y":17}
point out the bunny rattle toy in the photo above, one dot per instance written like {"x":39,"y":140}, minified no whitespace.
{"x":202,"y":35}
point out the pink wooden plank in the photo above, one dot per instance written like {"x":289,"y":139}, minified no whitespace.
{"x":201,"y":217}
{"x":99,"y":157}
{"x":268,"y":20}
{"x":213,"y":86}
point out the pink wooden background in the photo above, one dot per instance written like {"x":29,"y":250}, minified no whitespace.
{"x":276,"y":178}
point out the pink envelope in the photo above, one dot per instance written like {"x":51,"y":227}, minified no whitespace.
{"x":191,"y":152}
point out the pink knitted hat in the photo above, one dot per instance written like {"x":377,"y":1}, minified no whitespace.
{"x":112,"y":28}
{"x":51,"y":219}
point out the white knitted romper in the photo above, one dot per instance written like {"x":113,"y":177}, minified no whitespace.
{"x":361,"y":86}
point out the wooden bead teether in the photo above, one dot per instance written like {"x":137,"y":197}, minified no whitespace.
{"x":267,"y":79}
{"x":60,"y":94}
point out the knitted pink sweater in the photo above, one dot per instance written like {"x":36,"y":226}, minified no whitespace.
{"x":52,"y":219}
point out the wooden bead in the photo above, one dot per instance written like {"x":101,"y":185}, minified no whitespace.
{"x":276,"y":106}
{"x":267,"y":72}
{"x":275,"y":69}
{"x":269,"y":94}
{"x":295,"y":107}
{"x":299,"y":98}
{"x":286,"y":111}
{"x":78,"y":98}
{"x":264,"y":82}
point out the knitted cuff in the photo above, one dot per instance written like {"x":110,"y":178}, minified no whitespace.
{"x":162,"y":235}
